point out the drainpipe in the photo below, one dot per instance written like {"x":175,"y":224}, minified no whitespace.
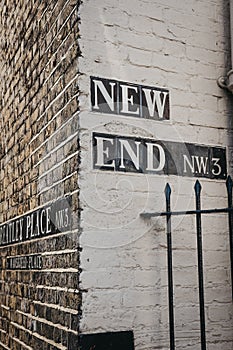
{"x":227,"y":82}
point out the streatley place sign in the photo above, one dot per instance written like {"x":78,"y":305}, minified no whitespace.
{"x":141,"y":155}
{"x":44,"y":221}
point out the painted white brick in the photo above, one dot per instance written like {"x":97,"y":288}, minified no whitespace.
{"x":187,"y":7}
{"x":204,"y":86}
{"x":216,"y":259}
{"x":140,"y":57}
{"x":113,"y":300}
{"x":148,"y":278}
{"x":107,"y":278}
{"x":96,"y":31}
{"x":203,"y":55}
{"x":160,"y":30}
{"x":220,"y":313}
{"x":180,"y":46}
{"x":135,"y":24}
{"x":174,"y":48}
{"x":135,"y":7}
{"x":184,"y":295}
{"x":115,"y":16}
{"x":177,"y":82}
{"x":217,"y":276}
{"x":215,"y":293}
{"x":130,"y":38}
{"x":123,"y":318}
{"x":188,"y":313}
{"x":141,"y":300}
{"x":207,"y":118}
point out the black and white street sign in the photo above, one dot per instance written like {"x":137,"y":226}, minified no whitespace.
{"x":45,"y":221}
{"x":117,"y":97}
{"x":141,"y":155}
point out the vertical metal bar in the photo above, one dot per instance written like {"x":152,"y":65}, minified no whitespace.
{"x":230,"y":218}
{"x":140,"y":102}
{"x":169,"y":263}
{"x":197,"y":188}
{"x":231,"y":28}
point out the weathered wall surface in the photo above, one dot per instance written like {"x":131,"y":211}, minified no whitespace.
{"x":182,"y":46}
{"x":39,"y":301}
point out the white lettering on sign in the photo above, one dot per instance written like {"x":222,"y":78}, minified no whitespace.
{"x":134,"y":157}
{"x":198,"y":164}
{"x":158,"y":101}
{"x":111,"y":96}
{"x":216,"y":167}
{"x":151,"y":157}
{"x":38,"y":223}
{"x":103,"y":152}
{"x":28,"y":226}
{"x":109,"y":99}
{"x":129,"y":154}
{"x":201,"y":164}
{"x":62,"y":218}
{"x":24,"y":262}
{"x":128,"y":99}
{"x":44,"y":221}
{"x":189,"y":163}
{"x":48,"y":220}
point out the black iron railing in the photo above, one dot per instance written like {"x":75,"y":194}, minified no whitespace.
{"x":198,"y":212}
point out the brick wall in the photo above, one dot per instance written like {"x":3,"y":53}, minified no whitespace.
{"x":39,"y":160}
{"x":182,"y":46}
{"x":45,"y":110}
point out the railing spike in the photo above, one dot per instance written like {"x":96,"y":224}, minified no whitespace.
{"x":197,"y":187}
{"x":168,"y":191}
{"x":229,"y":183}
{"x":169,"y":264}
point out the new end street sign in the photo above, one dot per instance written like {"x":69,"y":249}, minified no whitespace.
{"x":142,"y":155}
{"x":122,"y":98}
{"x":150,"y":156}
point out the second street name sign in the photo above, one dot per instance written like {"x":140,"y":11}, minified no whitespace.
{"x":141,"y":155}
{"x":44,"y":221}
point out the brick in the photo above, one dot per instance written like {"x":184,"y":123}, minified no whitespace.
{"x":47,"y":125}
{"x":181,"y":47}
{"x":35,"y":62}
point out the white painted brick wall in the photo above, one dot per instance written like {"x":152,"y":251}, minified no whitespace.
{"x":183,"y":46}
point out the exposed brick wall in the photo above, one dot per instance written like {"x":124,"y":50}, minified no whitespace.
{"x":182,"y":46}
{"x":39,"y":161}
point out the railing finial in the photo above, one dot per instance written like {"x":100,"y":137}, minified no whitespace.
{"x":197,"y":188}
{"x":229,"y":183}
{"x":168,"y":191}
